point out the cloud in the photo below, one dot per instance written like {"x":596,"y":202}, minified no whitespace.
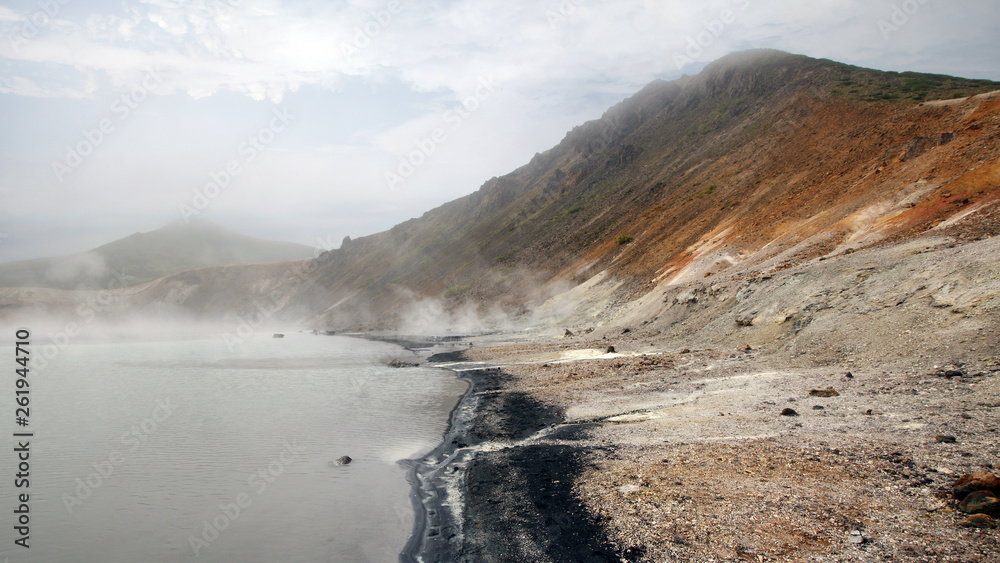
{"x":266,"y":49}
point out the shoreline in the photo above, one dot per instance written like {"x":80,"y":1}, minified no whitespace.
{"x":560,"y":452}
{"x":430,"y":514}
{"x":434,"y":523}
{"x":499,"y":486}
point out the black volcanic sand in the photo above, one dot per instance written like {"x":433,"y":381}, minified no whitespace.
{"x":518,"y":503}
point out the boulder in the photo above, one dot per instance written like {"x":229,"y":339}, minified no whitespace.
{"x":344,"y":460}
{"x":976,"y":481}
{"x":981,"y":502}
{"x":979,"y":521}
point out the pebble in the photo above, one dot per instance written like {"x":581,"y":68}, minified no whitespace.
{"x":941,"y":439}
{"x":829,"y":392}
{"x":856,"y":538}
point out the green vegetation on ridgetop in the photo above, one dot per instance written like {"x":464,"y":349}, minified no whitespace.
{"x":869,"y":85}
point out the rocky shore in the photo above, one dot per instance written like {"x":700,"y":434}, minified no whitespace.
{"x":561,"y":451}
{"x":569,"y":453}
{"x":820,"y":414}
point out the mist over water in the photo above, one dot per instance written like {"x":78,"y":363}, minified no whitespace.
{"x":176,"y":449}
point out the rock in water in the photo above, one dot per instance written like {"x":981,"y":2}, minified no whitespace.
{"x":976,"y":481}
{"x":278,"y":335}
{"x":981,"y":502}
{"x":344,"y":460}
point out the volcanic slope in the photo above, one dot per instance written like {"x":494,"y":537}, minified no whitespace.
{"x":763,"y":161}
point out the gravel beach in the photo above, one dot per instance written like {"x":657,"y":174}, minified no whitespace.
{"x":669,"y":456}
{"x":830,"y":423}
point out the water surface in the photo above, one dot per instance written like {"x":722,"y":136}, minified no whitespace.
{"x":183,"y":449}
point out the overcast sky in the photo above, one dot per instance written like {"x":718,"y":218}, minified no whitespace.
{"x":312,"y":120}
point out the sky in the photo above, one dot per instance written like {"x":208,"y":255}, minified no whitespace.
{"x":312,"y":120}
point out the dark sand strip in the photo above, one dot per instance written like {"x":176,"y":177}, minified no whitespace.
{"x":512,"y":498}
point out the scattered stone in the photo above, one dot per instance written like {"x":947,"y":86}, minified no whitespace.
{"x":686,"y":351}
{"x":344,"y":460}
{"x":402,"y":364}
{"x":818,"y":408}
{"x":981,"y":502}
{"x":747,"y":348}
{"x":856,"y":538}
{"x":850,"y":375}
{"x":568,"y":334}
{"x":611,"y":350}
{"x":626,"y":331}
{"x":942,"y":439}
{"x":829,"y":392}
{"x":868,"y":412}
{"x":976,"y":481}
{"x":979,"y":521}
{"x":789,"y":412}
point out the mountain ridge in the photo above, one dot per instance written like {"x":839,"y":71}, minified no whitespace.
{"x":674,"y":156}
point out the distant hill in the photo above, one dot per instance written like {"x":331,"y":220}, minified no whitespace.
{"x":142,"y":257}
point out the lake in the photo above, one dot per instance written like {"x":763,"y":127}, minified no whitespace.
{"x":179,"y":449}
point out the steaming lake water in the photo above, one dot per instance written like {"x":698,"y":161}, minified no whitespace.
{"x":138,"y":445}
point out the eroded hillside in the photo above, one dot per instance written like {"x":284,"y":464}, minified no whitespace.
{"x":762,"y":162}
